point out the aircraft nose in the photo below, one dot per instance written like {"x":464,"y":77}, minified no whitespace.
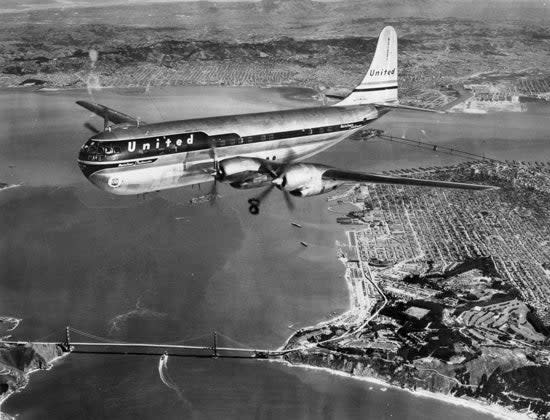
{"x":105,"y":181}
{"x":87,"y":170}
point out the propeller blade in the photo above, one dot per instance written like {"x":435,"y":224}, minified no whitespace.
{"x":265,"y":192}
{"x":214,"y":157}
{"x":288,"y":200}
{"x":214,"y":192}
{"x":281,"y":166}
{"x":270,"y":169}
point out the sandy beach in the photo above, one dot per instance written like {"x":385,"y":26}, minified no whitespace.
{"x":492,"y":409}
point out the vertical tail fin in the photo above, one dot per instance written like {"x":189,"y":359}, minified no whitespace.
{"x":380,"y":83}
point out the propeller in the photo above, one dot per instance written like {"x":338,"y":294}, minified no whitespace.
{"x":276,"y":182}
{"x":217,"y":174}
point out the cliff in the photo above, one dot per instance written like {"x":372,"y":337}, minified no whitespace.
{"x":18,"y":360}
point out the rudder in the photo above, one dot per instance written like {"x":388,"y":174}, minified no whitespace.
{"x":380,"y":83}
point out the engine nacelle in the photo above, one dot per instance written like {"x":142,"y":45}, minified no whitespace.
{"x":236,"y":165}
{"x":299,"y":176}
{"x":316,"y":189}
{"x":304,"y":180}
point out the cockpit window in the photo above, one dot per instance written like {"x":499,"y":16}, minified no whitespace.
{"x":108,"y":150}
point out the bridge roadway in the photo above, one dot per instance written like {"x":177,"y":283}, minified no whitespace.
{"x":159,"y":349}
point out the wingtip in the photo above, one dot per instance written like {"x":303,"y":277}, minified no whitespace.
{"x":489,"y":188}
{"x":84,"y":104}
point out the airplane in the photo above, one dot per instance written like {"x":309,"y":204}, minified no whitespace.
{"x":247,"y":151}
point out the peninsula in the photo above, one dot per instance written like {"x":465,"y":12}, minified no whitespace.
{"x":448,"y":290}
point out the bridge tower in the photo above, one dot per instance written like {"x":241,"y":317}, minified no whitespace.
{"x":215,"y":344}
{"x":67,"y":343}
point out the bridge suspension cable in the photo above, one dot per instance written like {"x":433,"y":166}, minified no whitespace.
{"x":232,"y":340}
{"x":190,"y":339}
{"x":96,"y":337}
{"x":429,"y":146}
{"x":182,"y":341}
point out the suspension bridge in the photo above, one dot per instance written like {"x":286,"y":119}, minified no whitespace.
{"x":430,"y":146}
{"x":102,"y":345}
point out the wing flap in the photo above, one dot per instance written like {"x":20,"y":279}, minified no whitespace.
{"x":116,"y":117}
{"x":338,"y":175}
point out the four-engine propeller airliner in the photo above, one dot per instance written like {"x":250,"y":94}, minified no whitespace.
{"x":248,"y":150}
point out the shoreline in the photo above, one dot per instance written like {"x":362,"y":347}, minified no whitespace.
{"x":497,"y":411}
{"x":38,"y":89}
{"x":10,"y":187}
{"x":4,"y":397}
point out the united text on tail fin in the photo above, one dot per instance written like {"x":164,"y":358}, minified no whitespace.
{"x":379,"y":86}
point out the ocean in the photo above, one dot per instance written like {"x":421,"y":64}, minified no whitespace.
{"x":158,"y":269}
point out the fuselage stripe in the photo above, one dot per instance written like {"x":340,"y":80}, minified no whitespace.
{"x":224,"y":140}
{"x":374,"y":88}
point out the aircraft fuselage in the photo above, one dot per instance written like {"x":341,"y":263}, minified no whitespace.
{"x":129,"y":160}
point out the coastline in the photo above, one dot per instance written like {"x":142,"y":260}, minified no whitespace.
{"x":9,"y":187}
{"x":498,"y":411}
{"x":27,"y":374}
{"x":338,"y":372}
{"x":495,"y":410}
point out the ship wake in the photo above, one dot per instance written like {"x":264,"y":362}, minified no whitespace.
{"x":170,"y":383}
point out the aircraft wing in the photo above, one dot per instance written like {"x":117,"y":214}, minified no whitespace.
{"x":338,"y":175}
{"x":390,"y":106}
{"x":116,"y":117}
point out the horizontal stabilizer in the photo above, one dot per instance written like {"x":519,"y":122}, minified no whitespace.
{"x":338,"y":175}
{"x":110,"y":114}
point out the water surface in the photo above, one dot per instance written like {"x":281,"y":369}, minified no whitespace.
{"x":160,"y":270}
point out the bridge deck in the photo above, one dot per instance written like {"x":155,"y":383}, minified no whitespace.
{"x":160,"y":349}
